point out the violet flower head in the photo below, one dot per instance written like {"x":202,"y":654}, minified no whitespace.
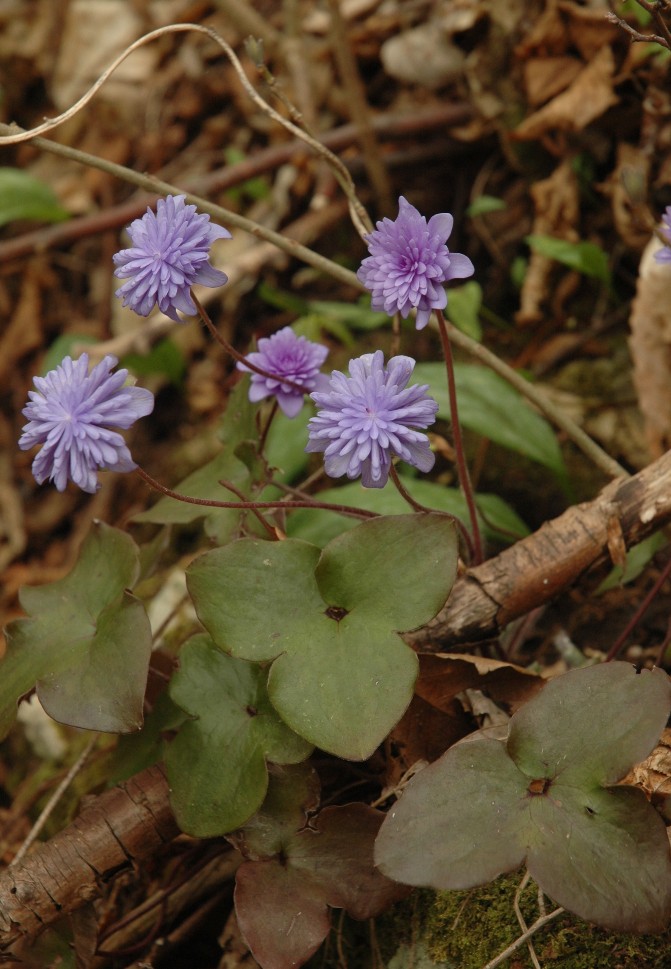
{"x":290,"y":357}
{"x":409,"y":262}
{"x":664,"y":254}
{"x":170,"y":252}
{"x":71,"y":413}
{"x":367,"y":418}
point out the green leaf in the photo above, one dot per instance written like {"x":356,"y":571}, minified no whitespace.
{"x":551,"y":729}
{"x":494,"y":409}
{"x":356,"y":316}
{"x":459,"y":822}
{"x":484,"y":204}
{"x":582,"y":843}
{"x":638,"y":557}
{"x":543,"y":797}
{"x":237,"y":431}
{"x":586,"y":257}
{"x":463,"y":308}
{"x":87,"y":642}
{"x":164,"y":358}
{"x":395,"y":567}
{"x":319,"y":527}
{"x":25,"y":197}
{"x":217,"y":762}
{"x":341,"y":676}
{"x":64,"y":346}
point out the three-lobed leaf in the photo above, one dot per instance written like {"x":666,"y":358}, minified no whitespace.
{"x":543,"y":797}
{"x":342,"y":677}
{"x":300,"y":864}
{"x":217,"y":763}
{"x":86,"y":642}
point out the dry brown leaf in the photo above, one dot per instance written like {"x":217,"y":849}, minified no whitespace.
{"x":650,"y":347}
{"x":545,"y":77}
{"x":625,"y":186}
{"x":23,"y":333}
{"x":589,"y":95}
{"x":653,"y":775}
{"x":443,"y":675}
{"x":423,"y":734}
{"x":556,"y":201}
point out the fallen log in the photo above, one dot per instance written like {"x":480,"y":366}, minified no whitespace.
{"x":536,"y":569}
{"x":119,"y":829}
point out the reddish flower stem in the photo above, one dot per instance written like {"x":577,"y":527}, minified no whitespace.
{"x":241,"y":358}
{"x":462,"y":467}
{"x":251,"y":505}
{"x":422,"y":509}
{"x":638,"y":615}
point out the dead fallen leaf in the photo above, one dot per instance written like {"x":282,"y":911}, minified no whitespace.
{"x":545,"y":77}
{"x":586,"y":98}
{"x":443,"y":675}
{"x":556,"y":201}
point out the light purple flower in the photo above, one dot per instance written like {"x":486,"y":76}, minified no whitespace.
{"x":664,"y":255}
{"x":171,"y":251}
{"x":409,"y":262}
{"x":368,"y":417}
{"x":291,"y":357}
{"x":71,"y":414}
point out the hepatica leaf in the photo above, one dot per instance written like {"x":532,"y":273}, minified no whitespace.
{"x":283,"y":895}
{"x":341,"y":676}
{"x":86,"y":643}
{"x":491,"y":407}
{"x":217,"y":762}
{"x":545,"y":797}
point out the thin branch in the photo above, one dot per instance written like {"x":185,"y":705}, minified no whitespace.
{"x":45,"y":814}
{"x":538,"y":924}
{"x":587,"y":445}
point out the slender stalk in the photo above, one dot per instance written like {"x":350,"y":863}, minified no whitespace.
{"x":240,"y":357}
{"x":538,"y":924}
{"x":462,"y":467}
{"x":640,"y":612}
{"x":582,"y":440}
{"x":422,"y":509}
{"x":156,"y":185}
{"x":251,"y":505}
{"x":54,"y":799}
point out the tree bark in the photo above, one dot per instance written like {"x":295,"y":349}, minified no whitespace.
{"x":120,"y":828}
{"x":537,"y":568}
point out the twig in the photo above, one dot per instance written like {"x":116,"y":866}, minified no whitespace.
{"x":218,"y":212}
{"x":252,"y":505}
{"x":640,"y":612}
{"x":538,"y":924}
{"x":54,"y":799}
{"x":582,"y":440}
{"x":521,"y":920}
{"x":358,"y":108}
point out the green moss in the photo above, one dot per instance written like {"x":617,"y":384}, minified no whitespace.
{"x":468,"y":929}
{"x":465,"y":930}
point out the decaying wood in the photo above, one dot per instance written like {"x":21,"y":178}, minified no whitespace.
{"x":535,"y":570}
{"x":119,"y":829}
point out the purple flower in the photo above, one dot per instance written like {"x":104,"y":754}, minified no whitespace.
{"x":409,"y":262}
{"x":71,"y":414}
{"x":170,"y":253}
{"x":664,"y":254}
{"x":291,"y":357}
{"x":369,"y":416}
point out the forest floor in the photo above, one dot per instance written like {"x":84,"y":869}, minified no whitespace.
{"x":545,"y":131}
